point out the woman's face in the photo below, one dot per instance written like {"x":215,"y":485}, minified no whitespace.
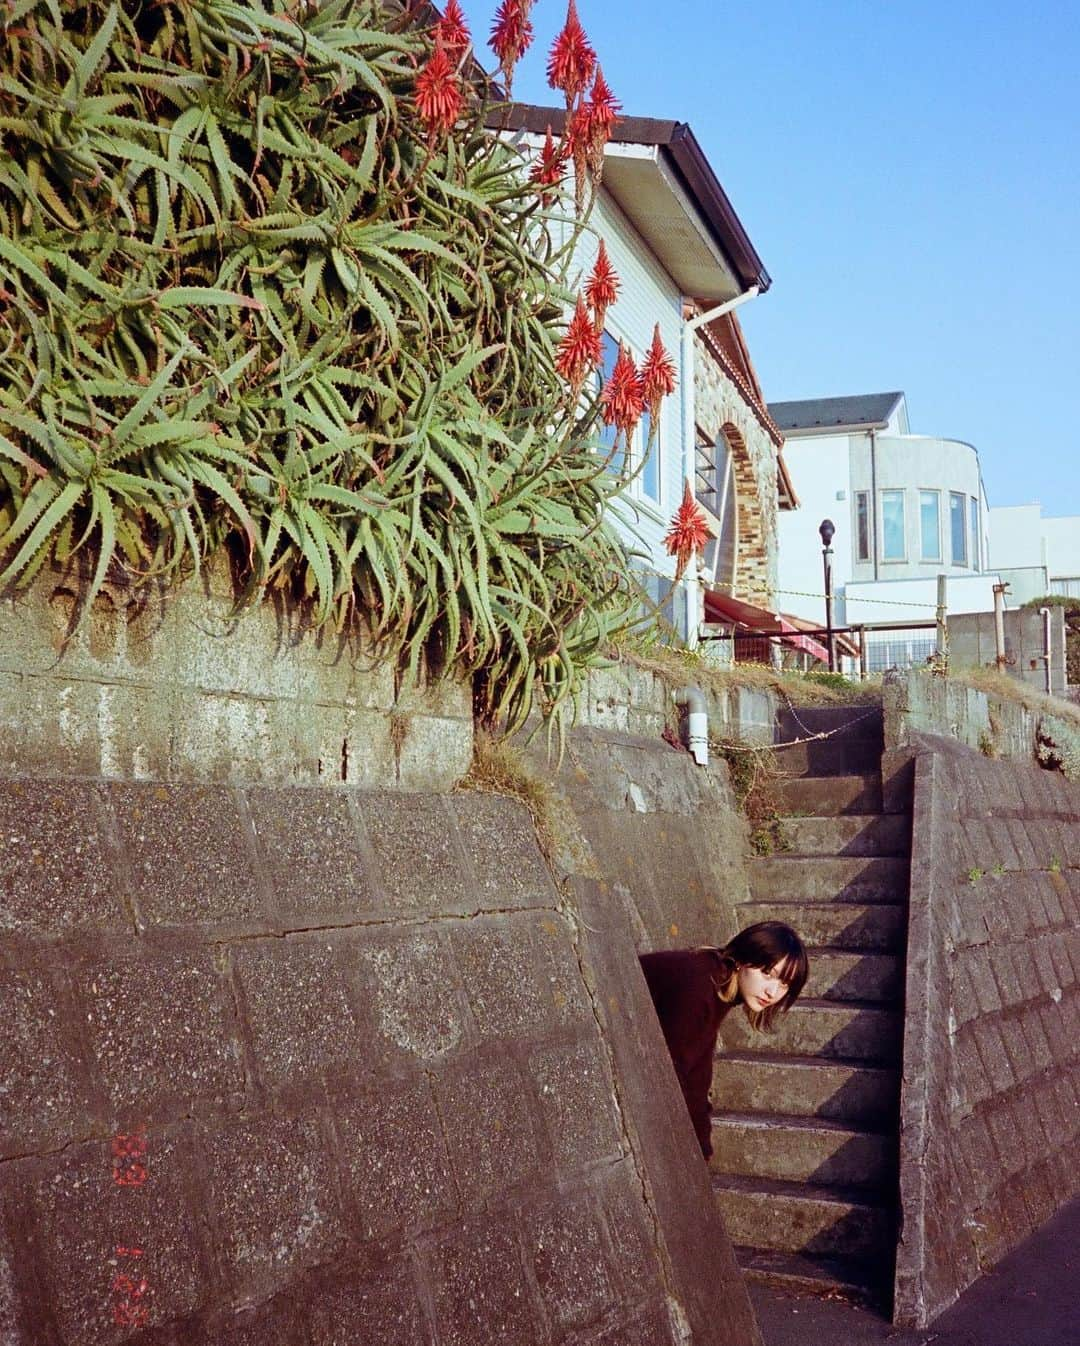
{"x":762,"y":987}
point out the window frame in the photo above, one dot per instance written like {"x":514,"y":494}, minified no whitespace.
{"x":938,"y":556}
{"x":975,"y":532}
{"x":954,"y":496}
{"x":862,"y":503}
{"x":902,"y":493}
{"x":626,"y":461}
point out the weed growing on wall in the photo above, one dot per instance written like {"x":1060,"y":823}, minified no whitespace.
{"x":267,"y":283}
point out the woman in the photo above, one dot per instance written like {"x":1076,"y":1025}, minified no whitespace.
{"x":763,"y":969}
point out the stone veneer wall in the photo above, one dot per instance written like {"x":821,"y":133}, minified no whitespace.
{"x":990,"y":1108}
{"x":720,"y":406}
{"x":392,"y":1082}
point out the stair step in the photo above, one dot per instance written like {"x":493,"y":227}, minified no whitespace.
{"x":836,"y":974}
{"x":830,"y":1277}
{"x":829,"y":1028}
{"x":796,"y":1218}
{"x":801,"y":1150}
{"x":842,"y":755}
{"x":877,"y":926}
{"x":846,"y":835}
{"x":828,"y":796}
{"x":807,"y":1086}
{"x":821,"y":878}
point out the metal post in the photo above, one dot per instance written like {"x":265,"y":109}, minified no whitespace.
{"x":942,"y":640}
{"x":827,"y":528}
{"x":864,"y":655}
{"x":999,"y":625}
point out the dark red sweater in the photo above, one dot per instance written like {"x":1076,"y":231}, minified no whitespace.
{"x":683,"y":985}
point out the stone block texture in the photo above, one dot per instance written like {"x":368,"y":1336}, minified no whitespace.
{"x":296,"y":1067}
{"x":990,"y":1109}
{"x":179,"y":686}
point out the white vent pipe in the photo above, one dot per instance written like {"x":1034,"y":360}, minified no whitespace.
{"x":697,"y":722}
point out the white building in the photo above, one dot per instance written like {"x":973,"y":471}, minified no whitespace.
{"x":907,"y":508}
{"x":679,"y":250}
{"x":1035,"y":556}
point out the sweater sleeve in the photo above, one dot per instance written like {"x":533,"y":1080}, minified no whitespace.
{"x":680,"y":983}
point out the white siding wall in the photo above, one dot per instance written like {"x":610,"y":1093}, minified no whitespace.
{"x":647,"y":295}
{"x":819,"y":469}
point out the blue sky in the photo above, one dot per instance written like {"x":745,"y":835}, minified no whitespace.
{"x":910,"y":174}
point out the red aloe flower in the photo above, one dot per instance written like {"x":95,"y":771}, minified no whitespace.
{"x":439,"y":99}
{"x":579,"y":350}
{"x":511,"y":34}
{"x":603,"y":112}
{"x":602,"y":287}
{"x":657,"y":374}
{"x":550,"y":168}
{"x":452,"y":32}
{"x":689,"y":532}
{"x":572,"y":59}
{"x":621,"y":398}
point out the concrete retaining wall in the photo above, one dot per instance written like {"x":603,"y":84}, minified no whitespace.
{"x":312,"y":1064}
{"x":173,"y":686}
{"x":991,"y":1087}
{"x":628,"y":699}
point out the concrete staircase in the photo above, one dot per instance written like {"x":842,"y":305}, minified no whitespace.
{"x":806,"y":1119}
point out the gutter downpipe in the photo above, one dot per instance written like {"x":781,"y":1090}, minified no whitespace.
{"x":697,"y":722}
{"x":873,"y":500}
{"x":689,"y":327}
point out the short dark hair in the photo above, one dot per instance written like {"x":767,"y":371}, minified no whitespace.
{"x":763,"y":946}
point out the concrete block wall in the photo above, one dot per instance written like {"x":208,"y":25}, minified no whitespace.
{"x":336,"y":1064}
{"x":627,"y":699}
{"x":991,"y":1088}
{"x":973,"y":644}
{"x":917,"y":703}
{"x":298,"y":1065}
{"x":175,"y":686}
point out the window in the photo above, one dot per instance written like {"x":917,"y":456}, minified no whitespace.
{"x":958,"y":528}
{"x":609,"y":353}
{"x":893,"y":544}
{"x":647,"y":483}
{"x":862,"y":525}
{"x":650,"y":472}
{"x":974,"y":533}
{"x":930,"y":525}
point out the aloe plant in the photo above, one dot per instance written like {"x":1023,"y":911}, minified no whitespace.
{"x":247,"y":301}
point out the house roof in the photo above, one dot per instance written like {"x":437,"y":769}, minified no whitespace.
{"x":660,"y":178}
{"x":864,"y":411}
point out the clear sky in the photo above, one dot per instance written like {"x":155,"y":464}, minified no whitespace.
{"x":910,"y":175}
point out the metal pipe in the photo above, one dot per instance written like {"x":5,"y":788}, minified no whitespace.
{"x":873,"y":501}
{"x":1045,"y":614}
{"x":999,"y":626}
{"x":697,"y":722}
{"x":942,"y":638}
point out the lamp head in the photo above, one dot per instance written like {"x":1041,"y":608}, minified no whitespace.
{"x":826,"y":528}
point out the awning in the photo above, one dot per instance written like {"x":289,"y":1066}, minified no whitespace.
{"x":721,"y":607}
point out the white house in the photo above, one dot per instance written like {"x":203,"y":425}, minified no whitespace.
{"x":906,"y":508}
{"x":683,"y":258}
{"x":1035,"y":556}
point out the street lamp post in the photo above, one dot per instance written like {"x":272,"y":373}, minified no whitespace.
{"x":827,"y":528}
